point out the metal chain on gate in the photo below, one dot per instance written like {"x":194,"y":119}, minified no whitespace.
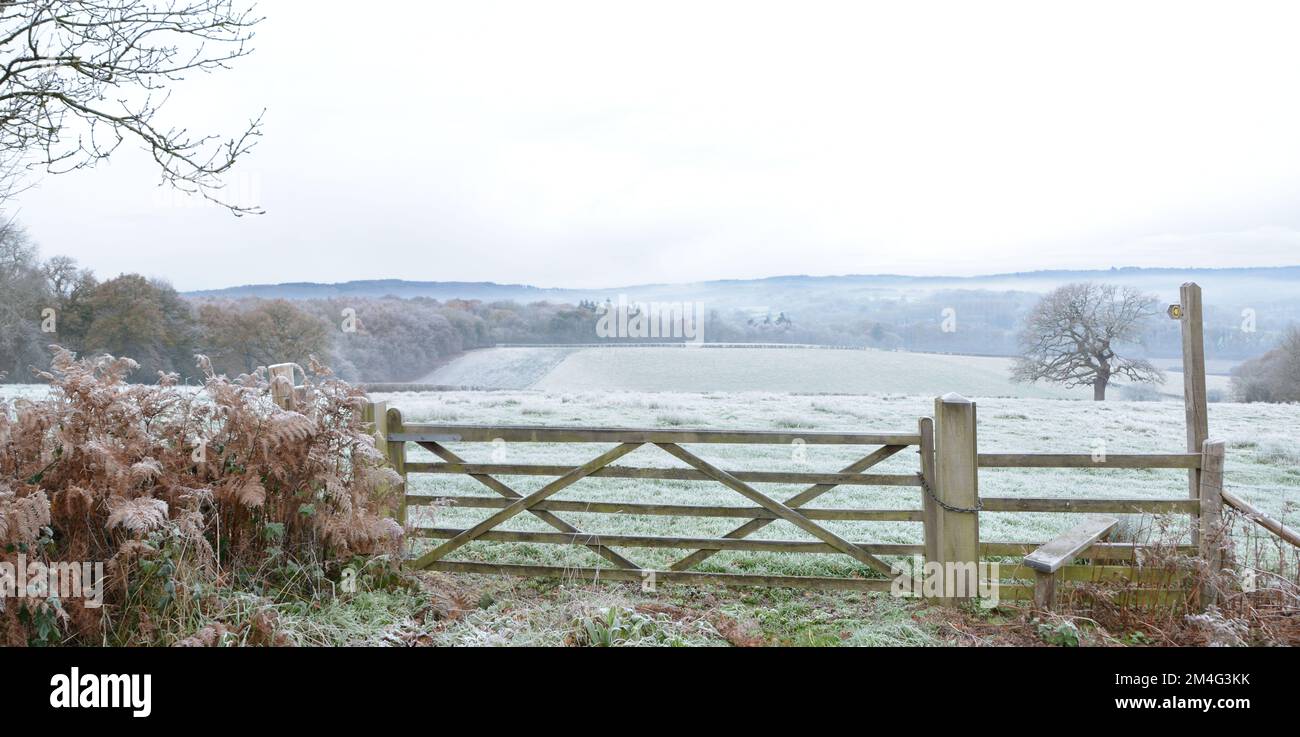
{"x":979,"y":503}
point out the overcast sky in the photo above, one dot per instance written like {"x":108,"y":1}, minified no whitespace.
{"x":611,"y":143}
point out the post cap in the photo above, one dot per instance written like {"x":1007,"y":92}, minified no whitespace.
{"x":954,"y":398}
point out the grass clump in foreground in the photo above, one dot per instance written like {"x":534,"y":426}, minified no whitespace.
{"x":544,"y":612}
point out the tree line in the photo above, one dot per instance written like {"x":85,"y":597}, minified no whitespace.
{"x":45,"y":302}
{"x":55,"y":302}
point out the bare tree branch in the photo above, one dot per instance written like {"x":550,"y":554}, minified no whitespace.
{"x":80,"y":77}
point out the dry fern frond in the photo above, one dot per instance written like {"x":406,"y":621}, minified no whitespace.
{"x":21,"y":518}
{"x":252,"y":494}
{"x":362,"y":534}
{"x":145,"y":471}
{"x":139,"y":516}
{"x":285,"y":427}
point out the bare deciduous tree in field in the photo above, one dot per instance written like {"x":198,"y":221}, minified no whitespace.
{"x":1072,"y":336}
{"x":81,"y":77}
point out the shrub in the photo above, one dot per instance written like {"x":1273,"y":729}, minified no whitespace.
{"x":179,"y":491}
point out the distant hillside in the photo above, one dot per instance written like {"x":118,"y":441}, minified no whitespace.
{"x":487,"y":291}
{"x":1222,"y":285}
{"x":884,"y":311}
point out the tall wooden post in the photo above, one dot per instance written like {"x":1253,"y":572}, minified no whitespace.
{"x":397,"y":458}
{"x":957,"y":476}
{"x":1211,"y":518}
{"x":375,"y":416}
{"x":1194,"y":399}
{"x":929,"y":509}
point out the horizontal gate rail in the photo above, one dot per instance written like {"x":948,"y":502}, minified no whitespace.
{"x":531,"y":434}
{"x":672,"y":510}
{"x":1088,"y":460}
{"x":668,"y":541}
{"x":671,"y":474}
{"x":1098,"y":551}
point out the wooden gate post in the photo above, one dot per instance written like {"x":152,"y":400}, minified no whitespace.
{"x":957,"y":476}
{"x":397,"y":458}
{"x":376,"y":414}
{"x":1211,"y":521}
{"x":281,"y":394}
{"x":1194,"y":399}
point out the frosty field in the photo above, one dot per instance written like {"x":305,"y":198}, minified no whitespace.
{"x":722,"y":369}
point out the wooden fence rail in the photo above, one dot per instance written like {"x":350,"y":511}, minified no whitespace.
{"x":1087,"y":460}
{"x":530,"y":434}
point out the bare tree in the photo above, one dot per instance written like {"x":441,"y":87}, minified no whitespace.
{"x":80,"y":77}
{"x":1072,"y":336}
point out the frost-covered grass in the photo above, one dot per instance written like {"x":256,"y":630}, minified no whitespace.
{"x":499,"y":368}
{"x":792,"y":370}
{"x":540,"y":612}
{"x":1263,"y":441}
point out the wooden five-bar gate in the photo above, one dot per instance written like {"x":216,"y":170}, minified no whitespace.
{"x":945,"y":480}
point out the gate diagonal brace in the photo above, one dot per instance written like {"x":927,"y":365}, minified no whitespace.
{"x":526,"y":503}
{"x":798,"y":500}
{"x":777,"y":508}
{"x":547,"y":517}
